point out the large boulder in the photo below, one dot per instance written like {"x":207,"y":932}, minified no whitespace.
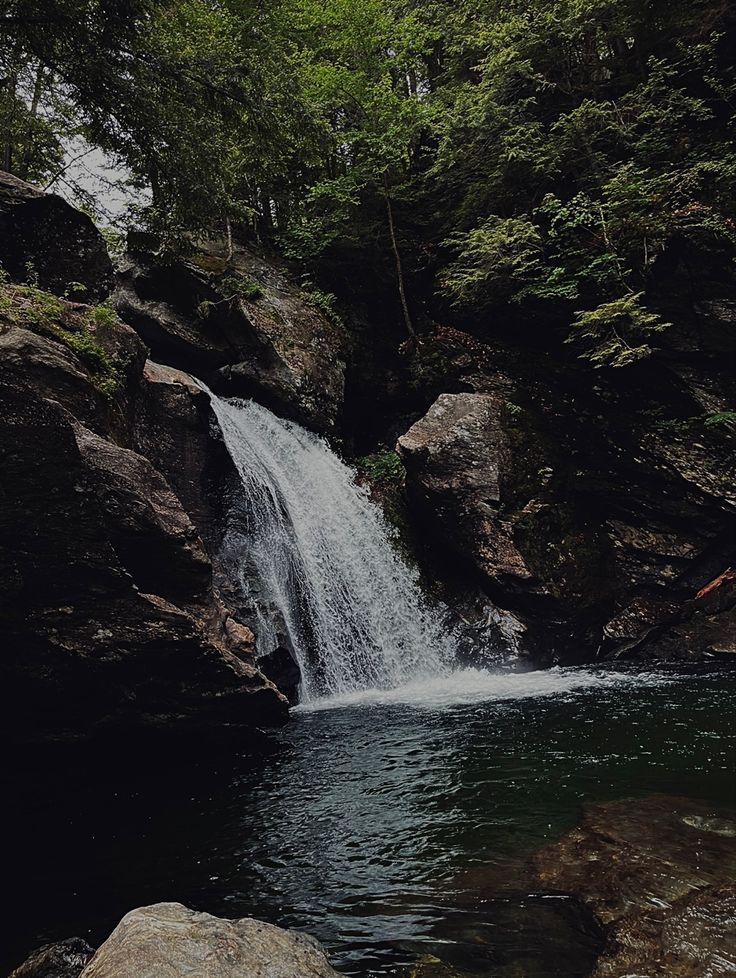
{"x":457,"y":457}
{"x":167,"y":940}
{"x":243,"y":325}
{"x":145,"y":522}
{"x":44,"y":238}
{"x":91,"y":640}
{"x":497,"y":509}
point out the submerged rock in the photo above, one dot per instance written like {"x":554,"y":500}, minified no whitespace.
{"x":167,"y":940}
{"x":633,"y":855}
{"x":656,"y":872}
{"x":64,"y":959}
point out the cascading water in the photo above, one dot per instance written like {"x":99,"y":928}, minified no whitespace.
{"x":323,"y":559}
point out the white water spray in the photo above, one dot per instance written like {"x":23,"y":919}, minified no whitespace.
{"x":323,"y":557}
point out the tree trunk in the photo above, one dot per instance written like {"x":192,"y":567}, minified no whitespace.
{"x":12,"y":85}
{"x":229,"y":230}
{"x":399,"y":268}
{"x":38,"y":88}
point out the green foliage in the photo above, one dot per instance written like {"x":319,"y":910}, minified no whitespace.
{"x":616,"y":333}
{"x":103,"y":368}
{"x":325,"y":301}
{"x":382,"y":467}
{"x":578,"y":142}
{"x":496,"y":260}
{"x":550,"y":154}
{"x":721,"y":418}
{"x":31,"y":308}
{"x":235,"y":284}
{"x":205,"y":308}
{"x":114,"y":240}
{"x":75,"y":290}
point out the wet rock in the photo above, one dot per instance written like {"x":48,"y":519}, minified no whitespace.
{"x":279,"y":666}
{"x":656,"y":871}
{"x":176,"y":430}
{"x":109,"y":616}
{"x":167,"y":940}
{"x":704,"y":627}
{"x":242,"y":325}
{"x":694,"y":938}
{"x":42,"y":235}
{"x":145,"y":522}
{"x":64,"y":959}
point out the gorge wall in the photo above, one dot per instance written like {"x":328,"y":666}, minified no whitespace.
{"x":560,"y":515}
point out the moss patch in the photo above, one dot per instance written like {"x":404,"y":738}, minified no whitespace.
{"x":75,"y":326}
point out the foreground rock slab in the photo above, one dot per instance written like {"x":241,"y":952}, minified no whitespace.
{"x":167,"y":940}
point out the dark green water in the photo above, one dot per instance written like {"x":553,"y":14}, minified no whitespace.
{"x":353,"y":823}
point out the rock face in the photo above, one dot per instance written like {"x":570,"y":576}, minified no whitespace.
{"x":607,"y":534}
{"x":32,"y":225}
{"x":109,"y":616}
{"x":492,"y":506}
{"x":242,"y":325}
{"x":108,"y":610}
{"x":457,"y":457}
{"x":65,"y":959}
{"x":167,"y":940}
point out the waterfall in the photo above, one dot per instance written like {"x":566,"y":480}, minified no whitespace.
{"x":321,"y":554}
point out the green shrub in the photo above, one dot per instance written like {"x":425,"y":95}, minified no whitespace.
{"x":234,"y":284}
{"x":381,"y":467}
{"x":616,"y":333}
{"x":326,"y":302}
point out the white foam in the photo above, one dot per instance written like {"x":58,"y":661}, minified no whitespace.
{"x":467,"y":686}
